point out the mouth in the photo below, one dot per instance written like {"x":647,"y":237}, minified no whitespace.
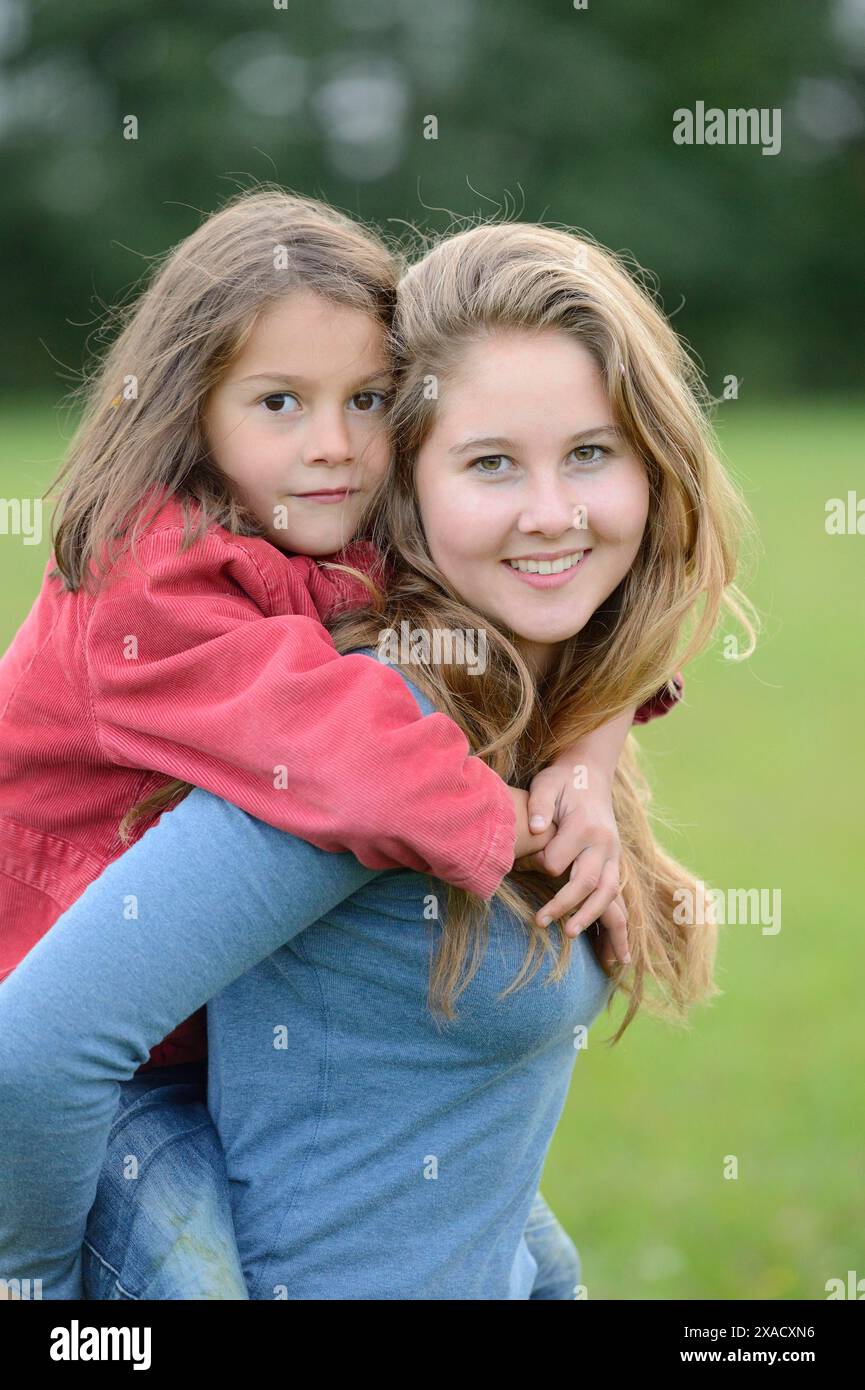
{"x":329,"y":494}
{"x":549,"y":571}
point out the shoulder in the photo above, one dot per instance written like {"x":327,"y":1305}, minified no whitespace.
{"x":426,"y":704}
{"x":166,"y":559}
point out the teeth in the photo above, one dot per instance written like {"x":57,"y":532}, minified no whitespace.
{"x":547,"y":566}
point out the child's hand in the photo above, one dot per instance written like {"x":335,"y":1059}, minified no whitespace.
{"x":528,"y":841}
{"x":586,"y":839}
{"x":611,"y":943}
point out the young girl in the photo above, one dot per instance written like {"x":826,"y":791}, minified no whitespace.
{"x":372,"y":1153}
{"x":232,"y":437}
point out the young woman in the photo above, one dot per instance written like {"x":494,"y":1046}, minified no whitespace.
{"x":378,"y":1143}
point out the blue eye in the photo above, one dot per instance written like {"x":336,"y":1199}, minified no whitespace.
{"x":280,"y":396}
{"x":368,"y":401}
{"x":490,"y":458}
{"x":600,"y":447}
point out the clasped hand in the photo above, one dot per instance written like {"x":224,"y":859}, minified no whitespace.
{"x":563,"y":828}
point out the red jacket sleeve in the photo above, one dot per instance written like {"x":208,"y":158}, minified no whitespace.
{"x":666,"y":699}
{"x":192,"y":676}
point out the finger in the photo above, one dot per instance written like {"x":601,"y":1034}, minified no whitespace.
{"x":573,"y":837}
{"x":615,"y":923}
{"x":605,"y":953}
{"x":587,"y":873}
{"x":541,"y":862}
{"x":568,"y":844}
{"x":598,"y":902}
{"x":543,"y":795}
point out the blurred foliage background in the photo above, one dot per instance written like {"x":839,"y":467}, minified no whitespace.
{"x":567,"y":112}
{"x":566,"y":115}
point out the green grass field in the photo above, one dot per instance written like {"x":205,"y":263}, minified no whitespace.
{"x":761,"y":772}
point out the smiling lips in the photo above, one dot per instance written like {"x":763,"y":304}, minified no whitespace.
{"x":547,"y":572}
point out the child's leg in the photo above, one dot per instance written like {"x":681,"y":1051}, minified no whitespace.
{"x":558,"y":1260}
{"x":161,"y":1225}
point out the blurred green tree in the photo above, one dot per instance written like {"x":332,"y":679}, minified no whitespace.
{"x":547,"y":110}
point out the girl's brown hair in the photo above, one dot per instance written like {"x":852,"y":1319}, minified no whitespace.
{"x":140,"y":436}
{"x":521,"y":277}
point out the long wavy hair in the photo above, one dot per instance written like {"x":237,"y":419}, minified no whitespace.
{"x":663,"y":613}
{"x":515,"y":276}
{"x":140,"y":438}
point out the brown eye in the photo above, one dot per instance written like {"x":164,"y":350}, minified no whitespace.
{"x":366,"y":401}
{"x":274,"y":403}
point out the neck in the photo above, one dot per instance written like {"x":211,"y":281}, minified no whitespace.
{"x":538,"y":656}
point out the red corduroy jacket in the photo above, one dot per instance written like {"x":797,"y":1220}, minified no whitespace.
{"x":211,"y":665}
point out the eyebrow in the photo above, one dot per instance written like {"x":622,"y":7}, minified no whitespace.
{"x":297,"y":380}
{"x":497,"y":442}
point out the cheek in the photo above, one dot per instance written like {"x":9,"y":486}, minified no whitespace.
{"x":258,"y":454}
{"x":483,"y":511}
{"x":375,"y":456}
{"x":228,"y":437}
{"x":461,"y":523}
{"x":619,"y":507}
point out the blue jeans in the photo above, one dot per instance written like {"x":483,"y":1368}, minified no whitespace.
{"x":161,"y":1225}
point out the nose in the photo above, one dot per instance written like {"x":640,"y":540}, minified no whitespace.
{"x":328,"y":440}
{"x":549,"y":505}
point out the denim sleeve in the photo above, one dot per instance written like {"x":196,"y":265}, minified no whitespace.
{"x":203,"y":896}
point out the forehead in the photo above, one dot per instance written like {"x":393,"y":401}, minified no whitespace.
{"x":307,"y":333}
{"x":520,"y":369}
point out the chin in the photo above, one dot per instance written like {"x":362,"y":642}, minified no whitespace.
{"x":552,"y":632}
{"x":319,"y":552}
{"x":281,"y":541}
{"x":547,"y":638}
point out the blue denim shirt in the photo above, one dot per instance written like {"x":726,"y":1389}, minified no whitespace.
{"x":372,"y":1152}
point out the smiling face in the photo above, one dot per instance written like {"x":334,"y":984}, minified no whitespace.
{"x":532,"y":506}
{"x":298,"y":421}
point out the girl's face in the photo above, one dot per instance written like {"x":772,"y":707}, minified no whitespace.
{"x":298,"y":421}
{"x":524,"y":465}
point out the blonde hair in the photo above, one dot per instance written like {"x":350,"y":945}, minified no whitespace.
{"x":175,"y":343}
{"x":516,"y":276}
